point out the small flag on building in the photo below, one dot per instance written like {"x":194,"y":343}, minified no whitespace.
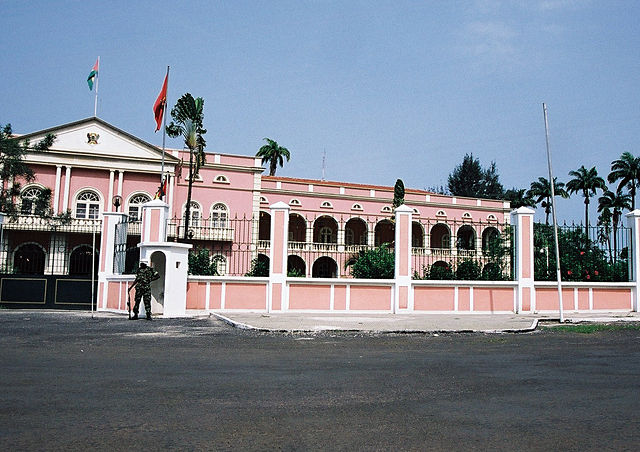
{"x":93,"y":74}
{"x":158,"y":107}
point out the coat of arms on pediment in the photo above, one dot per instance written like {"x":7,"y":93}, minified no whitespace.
{"x":92,"y":138}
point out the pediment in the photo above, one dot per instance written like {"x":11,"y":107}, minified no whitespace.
{"x":94,"y":136}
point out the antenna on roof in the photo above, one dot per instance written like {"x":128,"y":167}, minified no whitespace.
{"x":324,"y":162}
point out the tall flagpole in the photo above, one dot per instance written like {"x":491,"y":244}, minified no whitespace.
{"x":164,"y":135}
{"x":95,"y":105}
{"x":553,"y":207}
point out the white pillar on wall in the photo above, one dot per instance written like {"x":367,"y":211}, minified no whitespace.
{"x":56,"y":190}
{"x":67,"y":182}
{"x":522,"y":220}
{"x":111,"y":179}
{"x":633,"y":222}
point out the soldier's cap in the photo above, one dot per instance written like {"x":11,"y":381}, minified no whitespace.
{"x":144,"y":261}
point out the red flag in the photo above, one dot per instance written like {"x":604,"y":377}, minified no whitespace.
{"x":158,"y":107}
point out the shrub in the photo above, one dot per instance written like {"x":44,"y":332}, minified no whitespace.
{"x":377,"y":263}
{"x":468,"y":270}
{"x":440,"y":272}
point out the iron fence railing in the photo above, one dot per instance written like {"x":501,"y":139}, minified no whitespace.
{"x":596,"y":253}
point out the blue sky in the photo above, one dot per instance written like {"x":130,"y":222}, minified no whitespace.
{"x":389,"y":89}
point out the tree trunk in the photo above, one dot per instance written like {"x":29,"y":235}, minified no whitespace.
{"x":586,"y":214}
{"x":272,"y":168}
{"x":187,"y":211}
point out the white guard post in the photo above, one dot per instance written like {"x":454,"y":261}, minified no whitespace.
{"x":170,"y":259}
{"x":633,"y":222}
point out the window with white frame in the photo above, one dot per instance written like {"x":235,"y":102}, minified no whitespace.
{"x":87,"y":205}
{"x":356,"y":206}
{"x":28,"y":201}
{"x":221,"y":264}
{"x":386,"y":209}
{"x":294,"y":202}
{"x":326,"y":205}
{"x":219,"y":215}
{"x":195,"y":213}
{"x":221,"y":179}
{"x":135,"y":206}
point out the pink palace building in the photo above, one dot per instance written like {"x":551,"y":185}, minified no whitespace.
{"x":92,"y":163}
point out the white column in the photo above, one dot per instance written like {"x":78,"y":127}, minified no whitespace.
{"x":56,"y":190}
{"x":120,"y":178}
{"x":403,"y":297}
{"x":522,"y":219}
{"x":633,"y":222}
{"x":109,"y":203}
{"x":67,"y":182}
{"x":172,"y":182}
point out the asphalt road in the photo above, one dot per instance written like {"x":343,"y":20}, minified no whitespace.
{"x":70,"y":382}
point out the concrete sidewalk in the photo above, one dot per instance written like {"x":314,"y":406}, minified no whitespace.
{"x":410,"y":323}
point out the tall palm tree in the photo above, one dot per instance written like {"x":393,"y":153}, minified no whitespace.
{"x":541,"y":191}
{"x":187,"y":121}
{"x":615,"y":203}
{"x":586,"y":181}
{"x":273,"y":153}
{"x":518,"y":197}
{"x":626,"y":169}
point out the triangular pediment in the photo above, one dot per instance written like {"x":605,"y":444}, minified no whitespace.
{"x":93,"y":136}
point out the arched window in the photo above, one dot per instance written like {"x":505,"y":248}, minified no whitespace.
{"x":219,"y":215}
{"x":195,"y":213}
{"x":29,"y":258}
{"x":80,"y":261}
{"x":326,"y":235}
{"x":87,"y":205}
{"x":326,"y":205}
{"x":29,"y":201}
{"x":221,"y":264}
{"x":135,"y":206}
{"x":386,"y":209}
{"x":357,"y":206}
{"x":222,"y":179}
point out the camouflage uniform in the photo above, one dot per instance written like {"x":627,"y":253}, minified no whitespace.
{"x":142,"y":283}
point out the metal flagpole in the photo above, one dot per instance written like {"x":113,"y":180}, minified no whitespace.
{"x":95,"y":105}
{"x":164,"y":135}
{"x":93,"y":266}
{"x":553,"y":207}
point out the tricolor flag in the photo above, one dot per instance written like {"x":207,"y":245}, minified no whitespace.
{"x":162,"y":190}
{"x":93,"y":74}
{"x":158,"y":107}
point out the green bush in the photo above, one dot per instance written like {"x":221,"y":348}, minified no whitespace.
{"x":377,"y":263}
{"x":259,"y":267}
{"x":468,"y":270}
{"x":440,"y":272}
{"x":200,"y":263}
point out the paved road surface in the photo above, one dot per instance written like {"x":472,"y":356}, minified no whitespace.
{"x":71,"y":382}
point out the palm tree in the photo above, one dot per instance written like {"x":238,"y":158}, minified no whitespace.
{"x":626,"y":169}
{"x":187,"y":121}
{"x":273,"y":153}
{"x":541,"y":191}
{"x":615,"y":203}
{"x":518,"y":197}
{"x":587,"y":182}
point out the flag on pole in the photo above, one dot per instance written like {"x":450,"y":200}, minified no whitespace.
{"x":158,"y":107}
{"x":162,"y":190}
{"x":93,"y":74}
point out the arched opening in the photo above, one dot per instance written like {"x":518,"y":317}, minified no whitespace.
{"x":490,"y":237}
{"x":80,"y":261}
{"x":264,"y":226}
{"x":297,"y":228}
{"x":440,"y":237}
{"x":158,"y":262}
{"x":135,"y":206}
{"x":325,"y":230}
{"x":31,"y":201}
{"x":466,"y":238}
{"x":324,"y":267}
{"x":296,"y":266}
{"x":385,"y":232}
{"x":87,"y":205}
{"x":417,"y":235}
{"x":355,"y":232}
{"x":29,"y":259}
{"x":131,"y":260}
{"x":219,"y":216}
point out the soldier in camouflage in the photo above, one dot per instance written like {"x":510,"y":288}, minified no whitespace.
{"x":142,"y":283}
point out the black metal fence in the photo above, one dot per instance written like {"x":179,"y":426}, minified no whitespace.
{"x":31,"y":245}
{"x":595,"y":253}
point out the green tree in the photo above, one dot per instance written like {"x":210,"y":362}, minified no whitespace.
{"x":398,"y":193}
{"x":377,"y":263}
{"x":626,"y":169}
{"x":273,"y":154}
{"x":187,"y":122}
{"x":14,"y":171}
{"x":586,"y":181}
{"x":470,"y":179}
{"x":541,"y":191}
{"x":615,"y":203}
{"x":201,"y":263}
{"x":518,"y":197}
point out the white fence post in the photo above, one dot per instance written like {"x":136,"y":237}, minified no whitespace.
{"x":633,"y":222}
{"x":403,"y":299}
{"x":522,"y":220}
